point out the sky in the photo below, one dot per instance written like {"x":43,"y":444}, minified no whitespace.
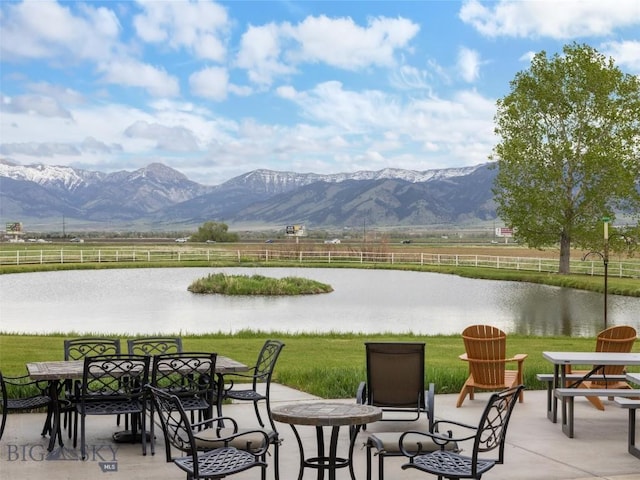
{"x":218,"y":89}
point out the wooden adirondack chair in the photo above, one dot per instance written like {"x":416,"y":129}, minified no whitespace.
{"x":620,"y":339}
{"x":486,"y":355}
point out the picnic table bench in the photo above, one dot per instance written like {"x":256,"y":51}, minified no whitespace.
{"x":568,"y":394}
{"x":548,"y":378}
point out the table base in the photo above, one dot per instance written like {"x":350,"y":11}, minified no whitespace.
{"x":331,"y":462}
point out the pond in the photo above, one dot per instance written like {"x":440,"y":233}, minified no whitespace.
{"x":156,"y":301}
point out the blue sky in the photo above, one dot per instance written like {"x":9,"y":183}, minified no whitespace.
{"x":217,"y":89}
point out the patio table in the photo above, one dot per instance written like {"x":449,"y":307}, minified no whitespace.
{"x":327,"y":414}
{"x":595,"y":360}
{"x":58,"y":371}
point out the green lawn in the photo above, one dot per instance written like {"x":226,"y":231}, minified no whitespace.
{"x":327,"y":365}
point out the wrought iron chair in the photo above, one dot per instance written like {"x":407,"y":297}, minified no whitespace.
{"x":261,"y":373}
{"x":395,"y":381}
{"x":191,"y":377}
{"x":619,"y":338}
{"x":486,"y":355}
{"x":113,"y":385}
{"x":78,"y":349}
{"x":154,"y":345}
{"x":489,"y":435}
{"x":217,"y":463}
{"x":26,"y":395}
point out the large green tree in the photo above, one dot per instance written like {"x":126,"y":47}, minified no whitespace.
{"x":215,"y":232}
{"x":568,"y":153}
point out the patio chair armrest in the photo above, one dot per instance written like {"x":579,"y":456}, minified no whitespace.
{"x":361,"y":394}
{"x":209,"y":423}
{"x":25,"y":381}
{"x":453,"y":423}
{"x":437,"y":438}
{"x":226,"y":440}
{"x":518,"y":357}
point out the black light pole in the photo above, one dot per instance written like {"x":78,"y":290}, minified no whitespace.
{"x":605,"y":261}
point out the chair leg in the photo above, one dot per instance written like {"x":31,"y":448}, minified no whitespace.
{"x":83,"y":448}
{"x":466,"y":389}
{"x":276,"y":459}
{"x":255,"y":407}
{"x":4,"y":422}
{"x":596,"y":402}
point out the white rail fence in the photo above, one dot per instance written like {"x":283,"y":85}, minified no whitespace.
{"x":628,"y":268}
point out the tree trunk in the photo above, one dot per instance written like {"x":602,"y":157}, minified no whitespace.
{"x":565,"y":254}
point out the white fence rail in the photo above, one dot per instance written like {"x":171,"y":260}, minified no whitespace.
{"x":627,"y":268}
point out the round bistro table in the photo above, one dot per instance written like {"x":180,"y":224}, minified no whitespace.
{"x":327,"y":414}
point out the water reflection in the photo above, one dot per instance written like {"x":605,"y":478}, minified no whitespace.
{"x":156,"y":301}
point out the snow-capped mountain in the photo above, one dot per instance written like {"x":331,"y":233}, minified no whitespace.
{"x":160,"y":196}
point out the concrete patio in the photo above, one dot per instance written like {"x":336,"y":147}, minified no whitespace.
{"x":536,"y":448}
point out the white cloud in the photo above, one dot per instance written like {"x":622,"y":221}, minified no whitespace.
{"x":341,"y":43}
{"x":132,"y":73}
{"x":469,"y":64}
{"x":172,"y":139}
{"x":626,"y":54}
{"x":212,"y":83}
{"x":275,"y":50}
{"x":259,"y":54}
{"x":550,"y":18}
{"x":34,"y":105}
{"x":48,"y":30}
{"x":199,"y":26}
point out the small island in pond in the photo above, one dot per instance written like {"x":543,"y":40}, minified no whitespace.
{"x":257,"y":285}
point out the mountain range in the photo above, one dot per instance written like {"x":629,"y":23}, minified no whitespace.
{"x":158,"y":197}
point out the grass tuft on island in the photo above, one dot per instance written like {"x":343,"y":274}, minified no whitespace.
{"x":257,"y":285}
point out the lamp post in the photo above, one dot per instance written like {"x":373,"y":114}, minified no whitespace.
{"x":605,"y":261}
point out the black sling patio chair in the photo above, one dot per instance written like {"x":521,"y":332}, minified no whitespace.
{"x":488,"y":435}
{"x":395,"y":381}
{"x":216,"y":463}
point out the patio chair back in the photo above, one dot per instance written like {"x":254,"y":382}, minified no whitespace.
{"x":179,"y":434}
{"x":615,"y":339}
{"x":154,"y":345}
{"x":78,"y":348}
{"x":395,"y":381}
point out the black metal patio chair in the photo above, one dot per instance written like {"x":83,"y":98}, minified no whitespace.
{"x":261,"y":373}
{"x":215,"y":463}
{"x":488,"y":435}
{"x":113,"y":385}
{"x":191,"y":377}
{"x":78,"y":349}
{"x":26,"y":394}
